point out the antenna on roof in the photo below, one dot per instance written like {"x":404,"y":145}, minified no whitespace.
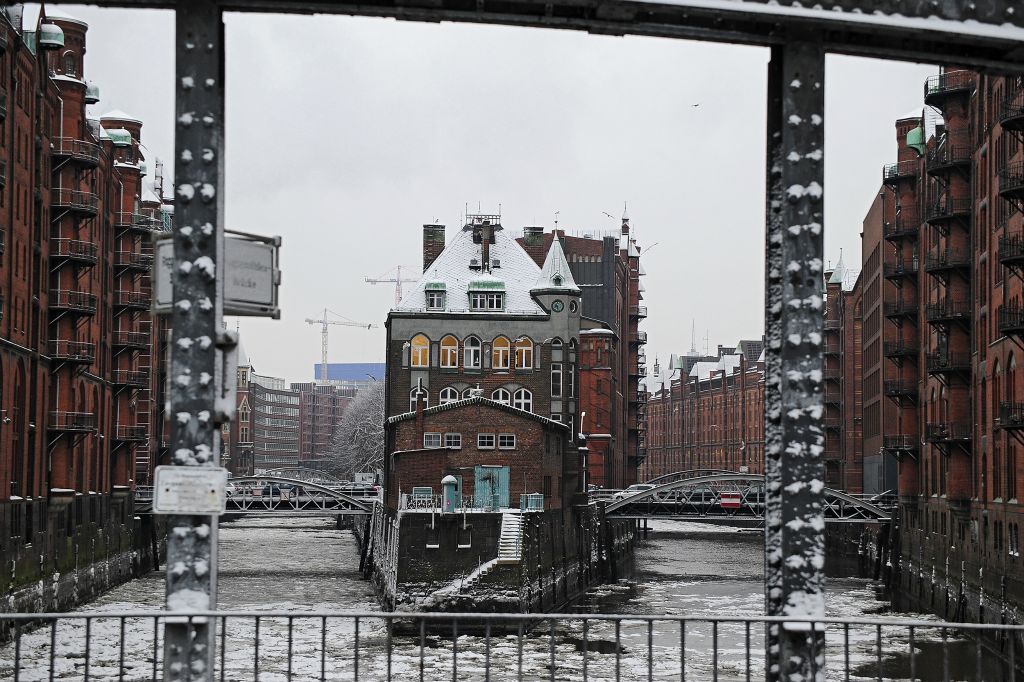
{"x":556,"y":219}
{"x":693,"y":337}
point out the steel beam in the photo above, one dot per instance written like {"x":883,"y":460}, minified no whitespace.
{"x":794,"y":404}
{"x":915,"y":30}
{"x":195,"y":374}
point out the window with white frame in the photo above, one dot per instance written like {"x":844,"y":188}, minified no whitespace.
{"x":523,"y":400}
{"x":448,"y":395}
{"x":419,"y":351}
{"x":435,"y":300}
{"x":431,"y":440}
{"x":449,"y":352}
{"x":485,"y":301}
{"x":507,"y":441}
{"x":467,"y":393}
{"x":485,"y":441}
{"x":453,"y":440}
{"x":556,"y":380}
{"x":524,"y":353}
{"x":501,"y":395}
{"x":500,"y":349}
{"x":471,"y":353}
{"x":416,"y":394}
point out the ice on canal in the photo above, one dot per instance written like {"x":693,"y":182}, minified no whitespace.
{"x":304,"y":565}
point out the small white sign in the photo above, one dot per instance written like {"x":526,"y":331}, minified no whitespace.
{"x":189,"y":490}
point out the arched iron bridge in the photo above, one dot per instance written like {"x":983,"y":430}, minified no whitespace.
{"x":730,"y":498}
{"x":272,"y":495}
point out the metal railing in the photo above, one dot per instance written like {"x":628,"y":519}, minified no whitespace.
{"x":900,"y":349}
{"x":1011,"y":318}
{"x":130,"y":433}
{"x":901,"y":268}
{"x":833,"y":324}
{"x":947,"y":362}
{"x":74,"y":249}
{"x":1011,"y":179}
{"x":638,"y":311}
{"x":901,"y":169}
{"x":80,"y":301}
{"x":72,"y":351}
{"x":132,"y":299}
{"x":1011,"y":248}
{"x":948,"y":310}
{"x":129,"y":377}
{"x":81,"y":150}
{"x":901,"y":309}
{"x":72,"y":421}
{"x":949,"y":155}
{"x":133,"y":259}
{"x":904,"y":225}
{"x":943,"y":259}
{"x":131,"y":339}
{"x":943,"y":432}
{"x":900,"y":442}
{"x":1011,"y":415}
{"x":86,"y":202}
{"x":329,"y":645}
{"x":1011,"y":110}
{"x":137,"y":221}
{"x":948,"y":208}
{"x":894,"y":388}
{"x":948,"y":82}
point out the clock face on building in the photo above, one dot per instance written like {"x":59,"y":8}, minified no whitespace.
{"x":557,"y":306}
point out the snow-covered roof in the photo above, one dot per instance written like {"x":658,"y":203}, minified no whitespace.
{"x":60,"y":15}
{"x":478,"y":400}
{"x":149,"y":194}
{"x":555,"y":275}
{"x":932,"y":119}
{"x":118,"y":115}
{"x":915,"y":113}
{"x":119,"y":136}
{"x":727,"y":363}
{"x":850,"y":280}
{"x":839,"y":272}
{"x":518,"y":272}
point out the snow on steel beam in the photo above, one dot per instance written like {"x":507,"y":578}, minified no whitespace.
{"x":794,"y":405}
{"x":982,"y":33}
{"x":195,"y":372}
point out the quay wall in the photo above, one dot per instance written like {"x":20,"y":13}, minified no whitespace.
{"x":61,"y":552}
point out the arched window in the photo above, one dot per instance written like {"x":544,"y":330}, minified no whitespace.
{"x":501,"y":395}
{"x":500,"y":353}
{"x":523,"y":400}
{"x":467,"y":393}
{"x":418,"y":393}
{"x":524,"y":353}
{"x":419,"y":352}
{"x":448,"y":395}
{"x":449,"y":352}
{"x":70,"y":64}
{"x":556,"y":342}
{"x":471,"y":353}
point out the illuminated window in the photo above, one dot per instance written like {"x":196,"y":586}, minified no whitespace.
{"x":524,"y":353}
{"x":419,"y":352}
{"x":500,"y":353}
{"x":449,"y":352}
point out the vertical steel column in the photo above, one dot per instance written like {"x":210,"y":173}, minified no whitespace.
{"x":195,"y":373}
{"x":794,"y":407}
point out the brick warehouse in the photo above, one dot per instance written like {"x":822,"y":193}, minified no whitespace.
{"x":79,"y":351}
{"x":484,"y":321}
{"x":612,"y":359}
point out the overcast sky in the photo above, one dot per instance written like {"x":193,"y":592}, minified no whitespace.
{"x":345,"y":135}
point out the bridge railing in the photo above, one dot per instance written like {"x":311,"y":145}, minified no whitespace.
{"x":339,"y":645}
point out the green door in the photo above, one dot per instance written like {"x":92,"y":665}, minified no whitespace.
{"x":491,"y":486}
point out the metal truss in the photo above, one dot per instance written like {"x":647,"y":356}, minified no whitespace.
{"x":292,"y":497}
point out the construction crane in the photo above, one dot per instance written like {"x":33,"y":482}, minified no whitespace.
{"x":395,"y":278}
{"x":323,"y":322}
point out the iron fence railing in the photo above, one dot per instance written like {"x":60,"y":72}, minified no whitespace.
{"x":74,"y":199}
{"x":1011,"y":415}
{"x":900,"y":169}
{"x":949,"y":155}
{"x":943,"y":432}
{"x":131,"y":339}
{"x":903,"y":225}
{"x":82,"y":150}
{"x":72,"y":351}
{"x":944,"y":259}
{"x":948,"y":82}
{"x":1011,"y":318}
{"x":1011,"y":179}
{"x":948,"y":208}
{"x":72,"y":421}
{"x":900,"y":442}
{"x":322,"y":645}
{"x":133,"y":259}
{"x":80,"y":301}
{"x":938,"y":362}
{"x":74,"y":249}
{"x":1011,"y":248}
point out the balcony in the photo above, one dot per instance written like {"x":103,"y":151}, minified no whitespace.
{"x":832,"y":423}
{"x":946,"y":312}
{"x":901,"y":309}
{"x":833,"y":325}
{"x":1011,"y":250}
{"x":132,"y":260}
{"x":833,"y":396}
{"x":73,"y":351}
{"x":126,"y":339}
{"x":892,"y":173}
{"x":1011,"y":416}
{"x":134,"y":300}
{"x":833,"y":349}
{"x":939,"y":364}
{"x":638,"y":311}
{"x":901,"y":269}
{"x":75,"y":250}
{"x":900,"y":444}
{"x":1011,"y":112}
{"x":84,"y":203}
{"x":80,"y":422}
{"x":641,"y":337}
{"x":903,"y":226}
{"x":81,"y":151}
{"x":945,"y":261}
{"x":1011,"y":182}
{"x":1011,"y":319}
{"x":900,"y":349}
{"x":945,"y":210}
{"x":900,"y":388}
{"x":941,"y":86}
{"x":833,"y":373}
{"x":73,"y":301}
{"x":947,"y":157}
{"x":130,"y":434}
{"x":947,"y":432}
{"x":137,"y":222}
{"x":129,"y":377}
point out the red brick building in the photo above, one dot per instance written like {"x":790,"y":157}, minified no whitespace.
{"x":320,"y":412}
{"x":80,"y":353}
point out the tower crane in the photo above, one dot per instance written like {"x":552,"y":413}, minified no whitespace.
{"x":397,"y":279}
{"x":323,"y":322}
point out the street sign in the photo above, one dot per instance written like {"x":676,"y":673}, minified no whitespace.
{"x":189,"y":490}
{"x":730,"y":500}
{"x":251,"y":275}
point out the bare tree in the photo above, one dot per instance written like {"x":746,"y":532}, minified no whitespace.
{"x":358,"y":444}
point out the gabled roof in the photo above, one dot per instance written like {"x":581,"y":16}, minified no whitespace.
{"x":555,"y":275}
{"x":703,"y":370}
{"x":839,"y":273}
{"x":477,"y":400}
{"x":517,"y":272}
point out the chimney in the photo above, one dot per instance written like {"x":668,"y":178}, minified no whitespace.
{"x":433,"y":244}
{"x":533,"y":243}
{"x":486,"y":234}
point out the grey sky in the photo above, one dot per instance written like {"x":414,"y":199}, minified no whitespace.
{"x":345,"y":135}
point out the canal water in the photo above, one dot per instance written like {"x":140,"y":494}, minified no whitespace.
{"x":307,"y":565}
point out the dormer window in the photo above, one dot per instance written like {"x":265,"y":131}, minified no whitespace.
{"x":435,"y":295}
{"x":482,"y":301}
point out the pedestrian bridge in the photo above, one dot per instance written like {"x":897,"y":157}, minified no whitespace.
{"x":730,"y":498}
{"x":273,"y":495}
